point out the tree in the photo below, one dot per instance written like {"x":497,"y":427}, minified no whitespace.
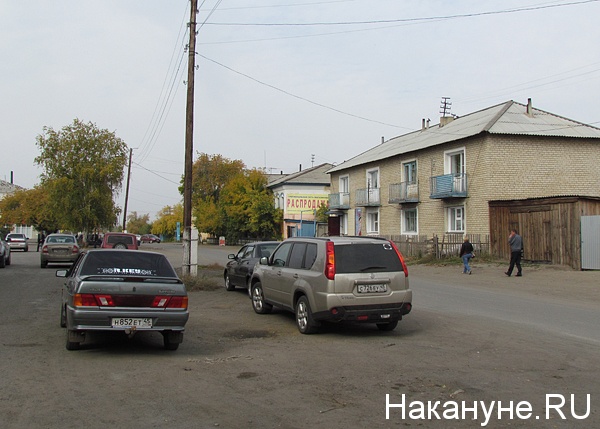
{"x":30,"y":207}
{"x":166,"y":222}
{"x":139,"y":224}
{"x":248,"y":205}
{"x":83,"y":168}
{"x":210,"y":173}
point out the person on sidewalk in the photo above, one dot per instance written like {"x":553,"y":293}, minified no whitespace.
{"x":466,"y":253}
{"x":516,"y":247}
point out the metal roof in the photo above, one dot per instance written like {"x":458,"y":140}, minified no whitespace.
{"x":311,"y":176}
{"x":506,"y":118}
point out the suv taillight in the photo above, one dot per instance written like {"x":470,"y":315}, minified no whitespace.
{"x":329,"y":260}
{"x":404,"y":267}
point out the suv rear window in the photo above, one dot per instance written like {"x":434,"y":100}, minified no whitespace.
{"x":366,"y":258}
{"x":114,"y":239}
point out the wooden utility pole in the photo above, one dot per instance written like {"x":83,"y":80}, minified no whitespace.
{"x":127,"y":192}
{"x":189,"y":144}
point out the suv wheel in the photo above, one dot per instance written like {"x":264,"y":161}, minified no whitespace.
{"x":228,"y":284}
{"x":258,"y":300}
{"x":120,"y":246}
{"x":304,"y":320}
{"x":387,"y":326}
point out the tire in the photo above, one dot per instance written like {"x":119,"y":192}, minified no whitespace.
{"x":26,"y":249}
{"x":228,"y":284}
{"x":72,"y":345}
{"x":8,"y":260}
{"x":304,"y":319}
{"x":63,"y":317}
{"x":387,"y":326}
{"x":168,"y":344}
{"x":258,"y":300}
{"x":2,"y":261}
{"x":120,"y":246}
{"x":43,"y":264}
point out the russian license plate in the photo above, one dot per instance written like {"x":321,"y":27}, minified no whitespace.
{"x":129,"y":322}
{"x":372,"y":288}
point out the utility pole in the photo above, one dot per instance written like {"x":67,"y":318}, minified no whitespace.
{"x":189,"y":145}
{"x":127,"y":192}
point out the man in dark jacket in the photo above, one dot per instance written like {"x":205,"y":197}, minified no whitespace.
{"x":466,"y":253}
{"x":516,"y":247}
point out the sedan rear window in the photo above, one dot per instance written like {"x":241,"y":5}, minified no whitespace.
{"x":366,"y":258}
{"x":123,"y":263}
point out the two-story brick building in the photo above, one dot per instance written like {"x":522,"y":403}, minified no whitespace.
{"x":510,"y":165}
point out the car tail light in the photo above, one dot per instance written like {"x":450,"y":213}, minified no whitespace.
{"x":45,"y":249}
{"x":75,"y":249}
{"x":170,"y":302}
{"x":404,"y":267}
{"x":91,"y":300}
{"x":329,"y":260}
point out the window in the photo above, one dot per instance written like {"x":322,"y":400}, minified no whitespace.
{"x":456,"y":219}
{"x":297,"y":255}
{"x":373,"y":179}
{"x":281,"y":255}
{"x":410,"y":171}
{"x":409,"y":221}
{"x":343,"y":224}
{"x":344,"y":184}
{"x":373,"y":222}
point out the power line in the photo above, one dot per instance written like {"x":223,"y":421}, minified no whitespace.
{"x":399,"y":20}
{"x":299,"y":97}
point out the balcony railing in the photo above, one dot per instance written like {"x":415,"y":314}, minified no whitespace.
{"x":449,"y":186}
{"x":368,"y":197}
{"x":404,"y":192}
{"x":340,"y":200}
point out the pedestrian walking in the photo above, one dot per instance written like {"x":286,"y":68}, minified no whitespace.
{"x":516,"y":248}
{"x":466,"y":253}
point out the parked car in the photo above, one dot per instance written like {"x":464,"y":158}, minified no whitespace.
{"x":119,"y":290}
{"x":119,"y":240}
{"x":4,"y":253}
{"x":17,"y":241}
{"x":239,"y":269}
{"x":359,"y":279}
{"x":59,"y":248}
{"x":150,"y":238}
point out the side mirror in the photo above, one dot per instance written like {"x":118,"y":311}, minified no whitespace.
{"x":231,"y":256}
{"x":61,"y":273}
{"x":264,"y":261}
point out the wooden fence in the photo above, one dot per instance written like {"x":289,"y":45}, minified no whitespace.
{"x":447,"y":245}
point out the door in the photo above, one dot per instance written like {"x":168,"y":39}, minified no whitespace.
{"x":590,"y":242}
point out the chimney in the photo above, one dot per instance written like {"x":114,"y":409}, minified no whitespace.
{"x":382,"y":139}
{"x":529,"y":108}
{"x":422,"y":124}
{"x":300,"y":167}
{"x":445,"y":120}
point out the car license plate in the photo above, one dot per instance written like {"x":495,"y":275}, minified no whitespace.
{"x":372,"y":288}
{"x":128,"y":322}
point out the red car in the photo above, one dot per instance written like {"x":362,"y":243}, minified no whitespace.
{"x":150,"y":238}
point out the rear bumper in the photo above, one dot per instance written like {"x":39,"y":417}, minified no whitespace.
{"x":366,"y":313}
{"x":100,"y":320}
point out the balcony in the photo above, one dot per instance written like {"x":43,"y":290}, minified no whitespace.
{"x":368,"y":197}
{"x":340,"y":200}
{"x":449,"y":186}
{"x":405,"y":192}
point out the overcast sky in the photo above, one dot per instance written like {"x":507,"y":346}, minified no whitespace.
{"x":279,"y":83}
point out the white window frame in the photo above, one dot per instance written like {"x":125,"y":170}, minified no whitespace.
{"x":449,"y":154}
{"x":452,"y":219}
{"x":344,"y":183}
{"x":404,"y":230}
{"x":373,"y":172}
{"x":344,"y":224}
{"x":373,"y":221}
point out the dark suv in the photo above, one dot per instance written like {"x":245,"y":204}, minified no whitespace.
{"x":360,"y":279}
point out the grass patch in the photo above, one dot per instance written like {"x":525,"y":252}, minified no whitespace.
{"x":209,"y":278}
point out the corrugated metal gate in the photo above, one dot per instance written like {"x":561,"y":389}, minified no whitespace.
{"x":590,"y":242}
